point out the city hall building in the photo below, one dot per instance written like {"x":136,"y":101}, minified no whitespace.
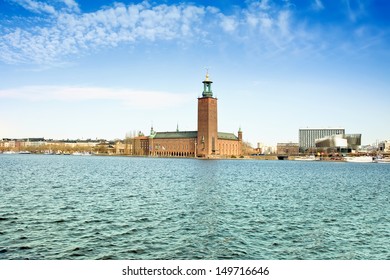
{"x":204,"y":142}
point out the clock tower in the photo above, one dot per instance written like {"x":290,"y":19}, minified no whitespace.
{"x":207,"y":121}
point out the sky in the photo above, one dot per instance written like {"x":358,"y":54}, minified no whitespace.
{"x":79,"y":69}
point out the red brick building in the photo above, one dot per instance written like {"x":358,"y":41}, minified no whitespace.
{"x":205,"y":142}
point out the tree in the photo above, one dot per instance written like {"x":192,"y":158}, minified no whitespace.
{"x":247,"y":148}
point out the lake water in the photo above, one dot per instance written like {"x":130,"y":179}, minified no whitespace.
{"x":79,"y":207}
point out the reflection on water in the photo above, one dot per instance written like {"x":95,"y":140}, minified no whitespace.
{"x":59,"y":207}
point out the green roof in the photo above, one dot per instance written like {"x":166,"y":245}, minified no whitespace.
{"x":227,"y":136}
{"x":176,"y":134}
{"x":190,"y":134}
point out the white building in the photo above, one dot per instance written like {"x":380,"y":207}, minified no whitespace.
{"x":384,"y":146}
{"x":307,"y":136}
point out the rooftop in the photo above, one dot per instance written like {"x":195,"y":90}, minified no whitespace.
{"x":175,"y":134}
{"x":190,"y":134}
{"x":227,"y":136}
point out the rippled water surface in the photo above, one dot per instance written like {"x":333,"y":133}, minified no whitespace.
{"x":70,"y":207}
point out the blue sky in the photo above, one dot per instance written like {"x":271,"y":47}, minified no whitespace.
{"x":100,"y":69}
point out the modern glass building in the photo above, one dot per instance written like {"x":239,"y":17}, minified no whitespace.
{"x":308,"y":136}
{"x":348,"y":142}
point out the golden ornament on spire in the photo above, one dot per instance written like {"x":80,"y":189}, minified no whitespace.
{"x":207,"y":75}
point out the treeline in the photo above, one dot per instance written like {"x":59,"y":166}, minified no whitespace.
{"x":60,"y":148}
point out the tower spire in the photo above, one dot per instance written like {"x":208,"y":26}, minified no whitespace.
{"x":207,"y":92}
{"x":151,"y":130}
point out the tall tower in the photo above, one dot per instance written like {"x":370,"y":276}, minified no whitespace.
{"x":207,"y":121}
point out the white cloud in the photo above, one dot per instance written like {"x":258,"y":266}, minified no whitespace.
{"x":36,"y":6}
{"x":317,"y":5}
{"x":265,"y":25}
{"x":262,"y":5}
{"x":128,"y":97}
{"x":228,"y":23}
{"x":72,"y":33}
{"x":72,"y":5}
{"x":272,"y":28}
{"x":42,"y":7}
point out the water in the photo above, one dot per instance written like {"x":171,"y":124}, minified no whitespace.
{"x":69,"y":207}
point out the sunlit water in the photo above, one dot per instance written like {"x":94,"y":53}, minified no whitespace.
{"x":75,"y":207}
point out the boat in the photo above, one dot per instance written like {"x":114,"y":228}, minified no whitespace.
{"x":24,"y":152}
{"x":81,"y":154}
{"x":9,"y":152}
{"x":381,"y":159}
{"x":306,"y":158}
{"x":360,"y":159}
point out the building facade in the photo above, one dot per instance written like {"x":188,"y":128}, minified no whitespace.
{"x":287,"y":149}
{"x":204,"y":142}
{"x":342,"y":143}
{"x":333,"y":141}
{"x":384,"y":146}
{"x":308,"y":136}
{"x":39,"y":145}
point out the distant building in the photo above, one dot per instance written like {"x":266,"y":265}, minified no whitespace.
{"x":354,"y":141}
{"x":340,"y":142}
{"x":34,"y":142}
{"x":332,"y":141}
{"x":43,"y":145}
{"x":384,"y":146}
{"x":263,"y":149}
{"x":368,"y":149}
{"x":307,"y":136}
{"x":259,"y":148}
{"x":207,"y":141}
{"x":287,"y":148}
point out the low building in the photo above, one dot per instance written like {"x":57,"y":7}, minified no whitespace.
{"x":287,"y":148}
{"x":40,"y":145}
{"x":384,"y":147}
{"x":339,"y":143}
{"x":34,"y":142}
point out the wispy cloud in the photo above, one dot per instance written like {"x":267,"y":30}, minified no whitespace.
{"x":72,"y":33}
{"x":273,"y":29}
{"x":128,"y":97}
{"x":268,"y":25}
{"x":71,"y":4}
{"x":36,"y":6}
{"x":354,"y":9}
{"x":41,"y":7}
{"x":228,"y":23}
{"x":317,"y":5}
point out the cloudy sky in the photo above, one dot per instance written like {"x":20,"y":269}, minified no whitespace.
{"x":100,"y":69}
